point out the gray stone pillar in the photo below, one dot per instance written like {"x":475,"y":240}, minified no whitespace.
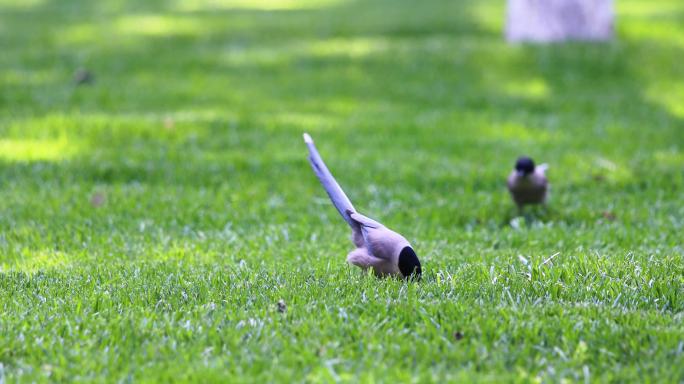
{"x":546,"y":21}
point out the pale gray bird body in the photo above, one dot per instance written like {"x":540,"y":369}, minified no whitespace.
{"x":527,"y":183}
{"x":377,"y":247}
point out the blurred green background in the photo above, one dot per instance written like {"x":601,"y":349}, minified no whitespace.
{"x":180,"y":165}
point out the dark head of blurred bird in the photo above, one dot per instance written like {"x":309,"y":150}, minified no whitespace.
{"x":524,"y":166}
{"x":527,"y":183}
{"x":386,"y":252}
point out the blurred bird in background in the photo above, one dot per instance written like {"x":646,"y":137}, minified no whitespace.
{"x":527,"y":183}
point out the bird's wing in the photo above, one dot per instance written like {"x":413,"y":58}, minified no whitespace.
{"x":365,"y":221}
{"x":337,"y":195}
{"x":371,"y":231}
{"x":382,"y":242}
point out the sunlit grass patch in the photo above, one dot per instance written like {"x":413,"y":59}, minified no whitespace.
{"x":534,"y":89}
{"x":657,"y":22}
{"x":158,"y":25}
{"x":264,"y":5}
{"x":33,"y":260}
{"x":353,"y":48}
{"x":36,"y":149}
{"x":669,"y":95}
{"x":645,"y":10}
{"x":657,"y":32}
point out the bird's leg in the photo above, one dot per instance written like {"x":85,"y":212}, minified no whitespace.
{"x":529,"y":216}
{"x":520,"y":210}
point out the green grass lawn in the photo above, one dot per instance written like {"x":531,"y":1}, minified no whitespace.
{"x":151,"y":221}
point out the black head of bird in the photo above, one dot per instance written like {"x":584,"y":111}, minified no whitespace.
{"x":409,"y":265}
{"x":524,"y":166}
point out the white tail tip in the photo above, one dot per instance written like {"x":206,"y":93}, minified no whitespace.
{"x":308,"y":139}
